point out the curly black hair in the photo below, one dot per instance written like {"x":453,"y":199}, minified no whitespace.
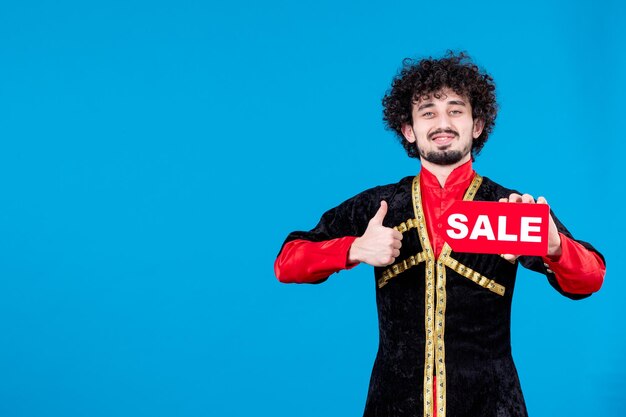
{"x":419,"y":79}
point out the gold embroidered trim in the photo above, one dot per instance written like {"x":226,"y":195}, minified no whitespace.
{"x":407,"y":225}
{"x":469,"y":273}
{"x":435,"y":324}
{"x":474,"y":186}
{"x":398,"y":268}
{"x":440,"y":324}
{"x":429,"y":299}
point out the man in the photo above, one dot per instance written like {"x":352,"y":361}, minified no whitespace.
{"x":444,"y":317}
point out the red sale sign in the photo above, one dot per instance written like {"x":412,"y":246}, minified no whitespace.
{"x":490,"y":227}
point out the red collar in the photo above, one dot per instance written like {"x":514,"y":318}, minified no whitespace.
{"x":460,"y":175}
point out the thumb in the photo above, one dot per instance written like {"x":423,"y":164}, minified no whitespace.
{"x":380,"y":214}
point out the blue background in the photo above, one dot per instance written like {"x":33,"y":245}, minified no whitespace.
{"x":154,"y":155}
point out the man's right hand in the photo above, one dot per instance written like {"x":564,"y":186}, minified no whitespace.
{"x":379,"y":245}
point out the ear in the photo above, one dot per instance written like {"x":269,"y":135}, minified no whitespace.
{"x":407,"y":132}
{"x":479,"y":124}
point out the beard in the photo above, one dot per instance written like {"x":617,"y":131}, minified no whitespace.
{"x":442,"y":157}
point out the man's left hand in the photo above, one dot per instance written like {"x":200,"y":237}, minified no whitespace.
{"x":554,"y":240}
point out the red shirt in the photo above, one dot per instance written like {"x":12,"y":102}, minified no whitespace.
{"x":577,"y":270}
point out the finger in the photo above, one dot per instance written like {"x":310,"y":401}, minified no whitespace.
{"x":396,"y":235}
{"x":509,"y":257}
{"x":503,"y":200}
{"x":380,"y":214}
{"x":395,"y":253}
{"x":396,"y":244}
{"x":527,"y":198}
{"x":515,"y":198}
{"x":542,"y":200}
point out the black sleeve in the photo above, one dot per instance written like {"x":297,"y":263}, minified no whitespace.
{"x":349,"y":218}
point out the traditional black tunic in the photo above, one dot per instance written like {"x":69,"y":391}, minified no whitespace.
{"x":447,"y":316}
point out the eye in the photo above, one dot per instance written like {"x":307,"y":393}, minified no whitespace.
{"x":456,"y":112}
{"x":428,"y":114}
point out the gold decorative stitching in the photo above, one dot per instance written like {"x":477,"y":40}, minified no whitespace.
{"x":429,"y":299}
{"x":469,"y":273}
{"x":435,"y":324}
{"x":398,"y":268}
{"x":406,"y":226}
{"x":440,"y":325}
{"x":402,"y":266}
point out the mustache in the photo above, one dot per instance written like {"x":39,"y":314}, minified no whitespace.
{"x":438,"y":131}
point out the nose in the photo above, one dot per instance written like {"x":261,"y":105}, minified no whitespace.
{"x":444,"y":121}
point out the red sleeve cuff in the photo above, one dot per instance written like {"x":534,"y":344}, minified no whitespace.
{"x":305,"y":261}
{"x":577,"y":270}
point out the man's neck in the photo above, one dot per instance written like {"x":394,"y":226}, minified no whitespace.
{"x":443,"y":171}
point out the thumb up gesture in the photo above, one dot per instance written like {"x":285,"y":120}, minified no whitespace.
{"x":379,"y":245}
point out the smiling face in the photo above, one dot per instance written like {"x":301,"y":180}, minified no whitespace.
{"x":443,"y":128}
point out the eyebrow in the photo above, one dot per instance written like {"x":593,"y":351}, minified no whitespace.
{"x":425,"y":106}
{"x":431,"y":104}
